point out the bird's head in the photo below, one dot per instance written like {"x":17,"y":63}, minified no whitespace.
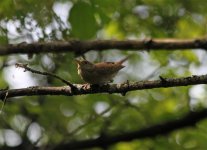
{"x":84,"y":64}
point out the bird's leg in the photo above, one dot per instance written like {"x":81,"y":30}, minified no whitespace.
{"x":86,"y":86}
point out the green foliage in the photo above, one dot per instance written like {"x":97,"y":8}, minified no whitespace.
{"x":64,"y":118}
{"x":83,"y":21}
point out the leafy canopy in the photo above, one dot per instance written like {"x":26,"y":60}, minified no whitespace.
{"x":49,"y":120}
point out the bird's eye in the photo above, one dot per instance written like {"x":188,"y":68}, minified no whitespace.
{"x":85,"y":62}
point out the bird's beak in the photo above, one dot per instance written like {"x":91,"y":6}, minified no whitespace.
{"x":82,"y":58}
{"x":77,"y":61}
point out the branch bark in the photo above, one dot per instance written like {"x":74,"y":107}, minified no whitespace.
{"x":80,"y":47}
{"x":109,"y":88}
{"x":160,"y":129}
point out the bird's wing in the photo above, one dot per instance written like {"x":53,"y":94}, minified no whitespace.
{"x":108,"y":67}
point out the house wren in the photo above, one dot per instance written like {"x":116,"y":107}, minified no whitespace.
{"x":99,"y":73}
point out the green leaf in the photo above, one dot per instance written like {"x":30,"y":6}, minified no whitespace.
{"x":82,"y":20}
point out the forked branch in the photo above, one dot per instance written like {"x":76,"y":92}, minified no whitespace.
{"x":123,"y":88}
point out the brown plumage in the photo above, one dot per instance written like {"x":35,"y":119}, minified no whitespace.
{"x":99,"y":73}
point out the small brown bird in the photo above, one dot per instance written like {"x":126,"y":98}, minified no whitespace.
{"x":99,"y":73}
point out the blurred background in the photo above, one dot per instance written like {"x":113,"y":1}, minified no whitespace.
{"x":45,"y":121}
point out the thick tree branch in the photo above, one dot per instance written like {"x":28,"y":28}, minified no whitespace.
{"x":160,"y":129}
{"x":109,"y":88}
{"x":80,"y":47}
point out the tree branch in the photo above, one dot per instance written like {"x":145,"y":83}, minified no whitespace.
{"x":80,"y":47}
{"x":160,"y":129}
{"x":109,"y":88}
{"x":25,"y":66}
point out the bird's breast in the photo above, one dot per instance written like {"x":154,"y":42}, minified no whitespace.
{"x":95,"y":77}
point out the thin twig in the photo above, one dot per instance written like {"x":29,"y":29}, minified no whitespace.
{"x":91,"y":119}
{"x":4,"y":101}
{"x":25,"y":66}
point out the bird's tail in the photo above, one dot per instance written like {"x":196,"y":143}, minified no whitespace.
{"x":123,"y":60}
